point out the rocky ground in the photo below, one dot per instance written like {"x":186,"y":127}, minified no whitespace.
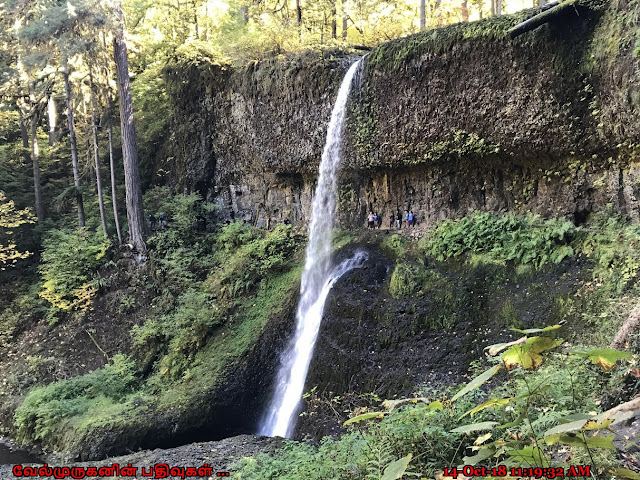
{"x":218,"y":455}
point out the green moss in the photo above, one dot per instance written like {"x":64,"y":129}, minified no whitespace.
{"x":459,"y":144}
{"x":396,"y":53}
{"x":406,"y":279}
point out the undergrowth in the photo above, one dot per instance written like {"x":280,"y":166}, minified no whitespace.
{"x":214,"y":294}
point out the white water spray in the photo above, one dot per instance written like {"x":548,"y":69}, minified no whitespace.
{"x":317,"y":279}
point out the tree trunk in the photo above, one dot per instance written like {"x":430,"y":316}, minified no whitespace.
{"x":34,"y":159}
{"x":498,"y":7}
{"x":243,"y":13}
{"x":345,"y":21}
{"x":114,"y":200}
{"x":96,"y":158}
{"x":72,"y":141}
{"x":423,"y":15}
{"x":464,"y":10}
{"x":135,"y":211}
{"x":51,"y":111}
{"x":334,"y":21}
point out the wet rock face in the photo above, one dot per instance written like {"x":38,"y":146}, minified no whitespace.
{"x":537,"y":123}
{"x":373,"y":343}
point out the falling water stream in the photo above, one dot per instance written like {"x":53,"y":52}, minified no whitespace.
{"x":317,"y":279}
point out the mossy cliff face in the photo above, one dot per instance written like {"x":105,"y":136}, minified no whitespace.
{"x":441,"y":122}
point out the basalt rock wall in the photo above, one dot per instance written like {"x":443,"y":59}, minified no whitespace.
{"x":441,"y":122}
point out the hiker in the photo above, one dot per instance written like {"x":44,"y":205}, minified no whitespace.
{"x":392,"y":221}
{"x":405,"y":218}
{"x":398,"y":220}
{"x":371,"y":219}
{"x":162,"y":222}
{"x":152,"y":222}
{"x":413,"y":219}
{"x":378,"y":220}
{"x":410,"y":219}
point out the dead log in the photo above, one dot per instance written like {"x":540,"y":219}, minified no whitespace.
{"x":630,"y":324}
{"x":549,"y":12}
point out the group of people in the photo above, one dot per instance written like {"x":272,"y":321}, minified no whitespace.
{"x":398,"y":219}
{"x":161,"y":221}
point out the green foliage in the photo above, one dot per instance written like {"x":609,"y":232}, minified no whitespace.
{"x":182,"y":213}
{"x":184,"y":331}
{"x":611,"y":243}
{"x":394,"y":244}
{"x":372,"y":451}
{"x":69,"y":261}
{"x":152,"y":114}
{"x":519,"y":240}
{"x":406,"y":279}
{"x":240,"y":271}
{"x":46,"y":408}
{"x":233,"y":236}
{"x":460,"y":144}
{"x":538,"y":414}
{"x":181,"y":254}
{"x":11,"y":218}
{"x":22,"y":307}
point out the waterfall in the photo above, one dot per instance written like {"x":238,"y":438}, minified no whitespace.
{"x":317,"y":279}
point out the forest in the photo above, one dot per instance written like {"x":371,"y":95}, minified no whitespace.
{"x":164,"y":197}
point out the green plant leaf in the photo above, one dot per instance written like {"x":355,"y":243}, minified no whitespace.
{"x":579,"y":441}
{"x":482,"y":454}
{"x":364,"y":416}
{"x":493,"y":402}
{"x":477,"y":382}
{"x":530,"y":331}
{"x":625,"y":473}
{"x":396,"y":469}
{"x":493,"y":350}
{"x":528,"y":355}
{"x":474,"y":427}
{"x":532,"y":456}
{"x":604,"y":357}
{"x":391,"y":404}
{"x":566,"y":428}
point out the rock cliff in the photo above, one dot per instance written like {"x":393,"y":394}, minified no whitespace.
{"x":441,"y":122}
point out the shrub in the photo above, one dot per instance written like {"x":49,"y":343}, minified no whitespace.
{"x":266,"y":254}
{"x":404,"y":280}
{"x":69,"y":261}
{"x":183,"y":332}
{"x":517,"y":239}
{"x":45,"y":408}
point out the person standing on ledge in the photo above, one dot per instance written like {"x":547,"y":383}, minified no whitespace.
{"x":398,"y":220}
{"x":392,"y":221}
{"x":410,"y":219}
{"x":371,"y":219}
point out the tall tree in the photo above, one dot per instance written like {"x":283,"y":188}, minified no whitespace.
{"x":345,"y":21}
{"x":423,"y":14}
{"x":35,"y":158}
{"x":72,"y":142}
{"x":135,"y":211}
{"x":114,"y":197}
{"x":96,"y":155}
